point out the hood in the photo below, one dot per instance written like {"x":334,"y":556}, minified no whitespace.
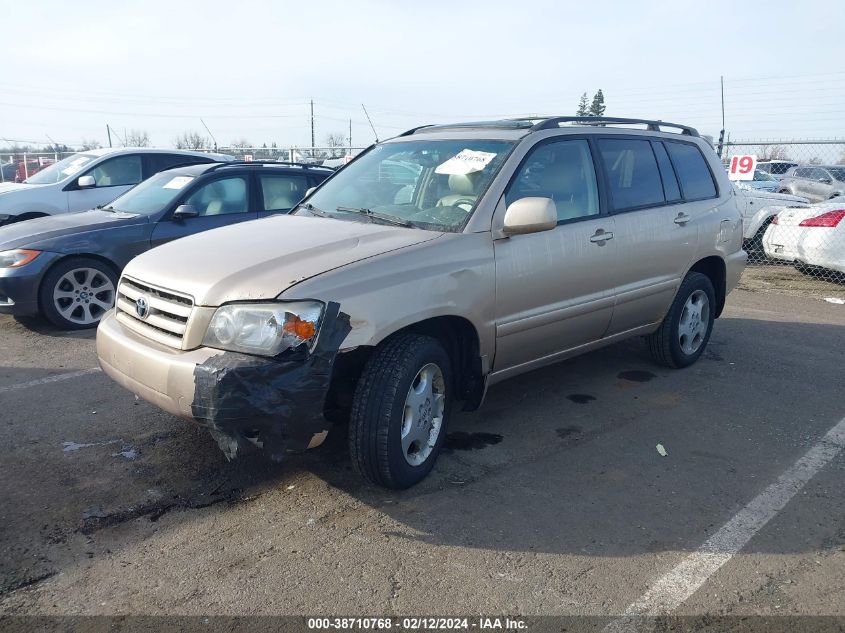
{"x":775,"y":198}
{"x":8,"y":187}
{"x":259,"y":260}
{"x":31,"y":232}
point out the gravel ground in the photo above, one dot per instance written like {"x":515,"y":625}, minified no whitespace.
{"x":550,"y":500}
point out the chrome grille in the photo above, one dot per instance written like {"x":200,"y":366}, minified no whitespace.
{"x":158,"y":314}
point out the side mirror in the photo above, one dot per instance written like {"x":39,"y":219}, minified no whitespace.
{"x":825,"y":180}
{"x":530,"y":215}
{"x":185,"y":211}
{"x":310,"y":191}
{"x":85,"y":182}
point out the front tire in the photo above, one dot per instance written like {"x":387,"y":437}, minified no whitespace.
{"x":400,"y":411}
{"x":682,"y":337}
{"x":77,"y":292}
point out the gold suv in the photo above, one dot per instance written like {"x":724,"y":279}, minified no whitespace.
{"x":431,"y":267}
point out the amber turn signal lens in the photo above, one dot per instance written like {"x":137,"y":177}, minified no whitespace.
{"x":302,"y":329}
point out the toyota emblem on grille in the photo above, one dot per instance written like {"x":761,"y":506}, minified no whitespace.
{"x":142,"y":307}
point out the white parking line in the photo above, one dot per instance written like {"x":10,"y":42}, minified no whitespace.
{"x":672,"y":589}
{"x":50,"y":379}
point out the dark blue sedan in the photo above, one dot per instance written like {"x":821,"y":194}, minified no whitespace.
{"x":66,"y":267}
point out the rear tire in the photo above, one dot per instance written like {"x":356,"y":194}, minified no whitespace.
{"x":77,"y":292}
{"x":682,"y":337}
{"x":754,"y":246}
{"x":400,"y":411}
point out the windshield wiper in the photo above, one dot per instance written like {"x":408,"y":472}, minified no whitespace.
{"x":310,"y":207}
{"x":392,"y":219}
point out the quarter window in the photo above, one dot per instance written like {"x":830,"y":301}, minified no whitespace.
{"x":122,"y":170}
{"x":696,"y":179}
{"x":282,"y":191}
{"x":562,"y":171}
{"x":632,"y":173}
{"x":220,"y":197}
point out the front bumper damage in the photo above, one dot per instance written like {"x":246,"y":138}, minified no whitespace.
{"x":244,"y":401}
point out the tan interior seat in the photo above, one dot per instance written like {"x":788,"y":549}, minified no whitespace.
{"x":462,"y":191}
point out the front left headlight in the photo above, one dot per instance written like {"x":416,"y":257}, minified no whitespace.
{"x":17,"y":258}
{"x":266,"y":329}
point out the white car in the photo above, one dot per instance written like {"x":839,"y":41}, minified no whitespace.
{"x":813,"y":236}
{"x":757,"y":211}
{"x":88,"y":179}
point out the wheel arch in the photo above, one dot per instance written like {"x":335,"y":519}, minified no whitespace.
{"x":714,"y":268}
{"x":29,"y":215}
{"x":458,"y":336}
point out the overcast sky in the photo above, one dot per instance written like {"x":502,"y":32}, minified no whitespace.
{"x":250,"y":68}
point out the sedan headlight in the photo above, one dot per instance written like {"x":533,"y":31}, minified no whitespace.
{"x":17,"y":258}
{"x":264,"y":328}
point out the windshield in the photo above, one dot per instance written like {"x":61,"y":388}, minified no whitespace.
{"x":837,"y":172}
{"x":426,"y":184}
{"x":59,"y":171}
{"x":762,"y":175}
{"x":152,"y":195}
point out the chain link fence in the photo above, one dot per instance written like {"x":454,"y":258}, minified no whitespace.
{"x":794,"y":215}
{"x":18,"y":166}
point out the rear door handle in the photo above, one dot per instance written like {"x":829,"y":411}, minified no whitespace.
{"x":682,"y":218}
{"x":601,"y":236}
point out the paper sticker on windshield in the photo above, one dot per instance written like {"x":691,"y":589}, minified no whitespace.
{"x":467,"y":161}
{"x":177,"y":182}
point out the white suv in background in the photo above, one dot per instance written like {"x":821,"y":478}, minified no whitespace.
{"x":88,"y":179}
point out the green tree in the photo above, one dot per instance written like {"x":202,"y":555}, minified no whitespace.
{"x":597,"y":107}
{"x":583,"y":109}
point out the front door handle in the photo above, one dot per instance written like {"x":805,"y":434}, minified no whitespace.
{"x":682,"y":218}
{"x":601,"y":236}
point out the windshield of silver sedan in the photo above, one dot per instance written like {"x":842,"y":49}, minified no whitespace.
{"x":431,"y":185}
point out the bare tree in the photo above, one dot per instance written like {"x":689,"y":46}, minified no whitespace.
{"x":90,"y":144}
{"x":336,"y":141}
{"x":773,"y":152}
{"x":241,"y":143}
{"x":191,"y":140}
{"x":138,"y":138}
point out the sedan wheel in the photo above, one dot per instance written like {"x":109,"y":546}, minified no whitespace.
{"x":83,"y":295}
{"x":77,"y":292}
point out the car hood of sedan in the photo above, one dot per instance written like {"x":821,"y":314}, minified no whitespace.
{"x":9,"y":187}
{"x":259,"y":260}
{"x":38,"y":230}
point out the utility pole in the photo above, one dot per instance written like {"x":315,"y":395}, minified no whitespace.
{"x":350,"y":137}
{"x":108,"y":131}
{"x":312,"y":127}
{"x":722,"y":81}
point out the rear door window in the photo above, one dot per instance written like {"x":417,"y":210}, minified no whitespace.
{"x":632,"y":175}
{"x":281,"y":192}
{"x":160,"y":162}
{"x":693,"y":172}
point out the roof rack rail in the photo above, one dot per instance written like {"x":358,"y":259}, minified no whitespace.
{"x":240,"y":163}
{"x":652,"y":125}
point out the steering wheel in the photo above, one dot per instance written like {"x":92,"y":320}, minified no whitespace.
{"x":460,"y":201}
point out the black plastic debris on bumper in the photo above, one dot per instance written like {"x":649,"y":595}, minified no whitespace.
{"x":277,"y":402}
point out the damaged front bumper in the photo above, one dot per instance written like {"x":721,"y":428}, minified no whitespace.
{"x":244,"y":400}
